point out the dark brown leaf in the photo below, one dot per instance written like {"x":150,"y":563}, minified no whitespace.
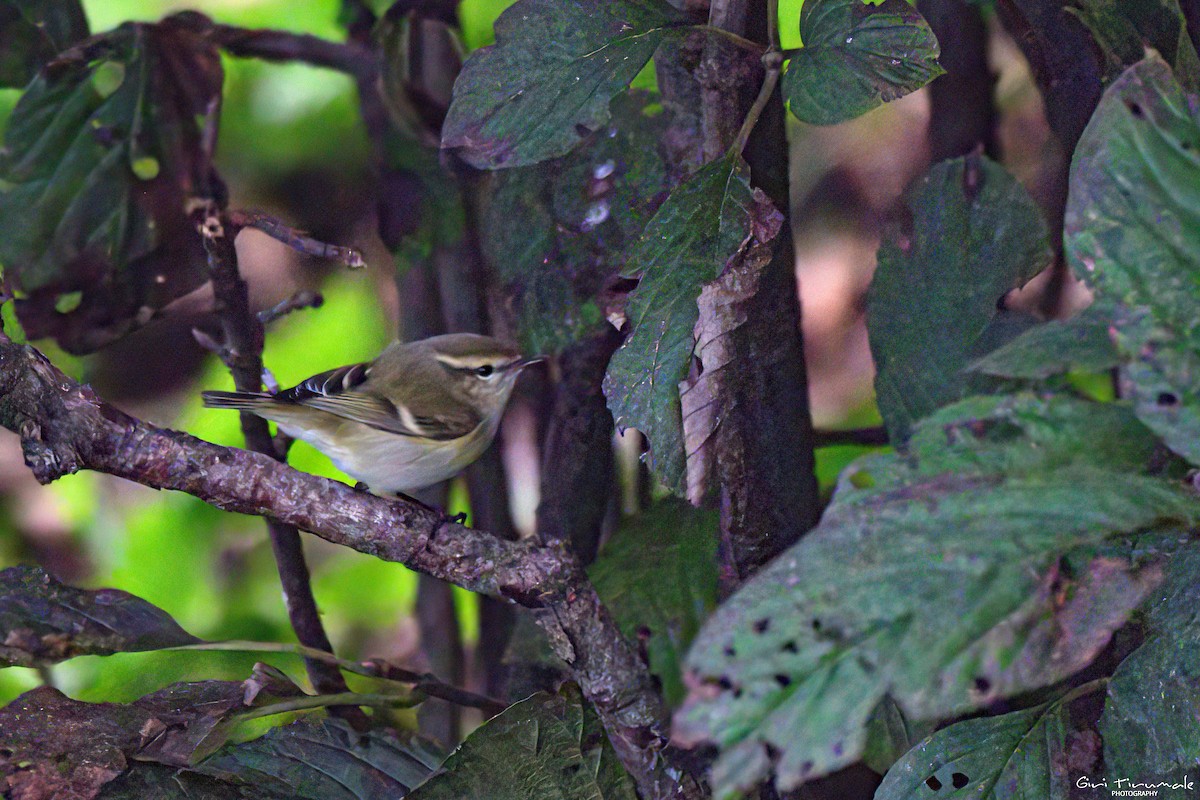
{"x":43,"y":621}
{"x":102,"y":161}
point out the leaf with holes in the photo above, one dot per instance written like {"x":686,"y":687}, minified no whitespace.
{"x":546,"y":747}
{"x":932,"y":307}
{"x":1150,"y":724}
{"x":547,"y":82}
{"x":33,"y":32}
{"x":977,"y":565}
{"x":1021,"y":754}
{"x":580,"y":214}
{"x":1133,"y":234}
{"x":101,"y":163}
{"x":43,"y":621}
{"x":658,"y":576}
{"x":1081,"y":343}
{"x":857,"y":57}
{"x":704,"y":223}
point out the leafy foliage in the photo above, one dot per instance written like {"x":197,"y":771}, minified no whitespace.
{"x":932,"y":308}
{"x":1020,"y":754}
{"x":43,"y":621}
{"x":32,"y":32}
{"x":323,"y":760}
{"x":995,"y":512}
{"x":1133,"y":233}
{"x":102,"y":159}
{"x":658,"y":576}
{"x":1080,"y":343}
{"x":547,"y":82}
{"x":579,"y":216}
{"x":1149,"y":721}
{"x":546,"y":747}
{"x":702,"y":225}
{"x":856,"y":57}
{"x":52,"y":746}
{"x":994,"y":554}
{"x":1126,"y":30}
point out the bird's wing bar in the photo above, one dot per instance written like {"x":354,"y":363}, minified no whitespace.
{"x":326,"y":384}
{"x":380,"y":413}
{"x":335,"y":392}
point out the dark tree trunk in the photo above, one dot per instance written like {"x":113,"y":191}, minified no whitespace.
{"x":963,"y":111}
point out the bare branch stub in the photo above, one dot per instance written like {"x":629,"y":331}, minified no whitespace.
{"x":295,"y":239}
{"x":305,"y":298}
{"x":277,"y":45}
{"x":871,"y":437}
{"x":243,"y":340}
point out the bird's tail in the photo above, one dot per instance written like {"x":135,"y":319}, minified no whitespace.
{"x":248,"y":401}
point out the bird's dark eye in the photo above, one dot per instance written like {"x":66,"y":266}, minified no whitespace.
{"x":484,"y":371}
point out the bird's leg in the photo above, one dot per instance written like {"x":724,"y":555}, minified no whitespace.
{"x":457,"y":519}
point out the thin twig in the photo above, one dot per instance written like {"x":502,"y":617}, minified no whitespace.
{"x":295,"y":239}
{"x":342,"y":699}
{"x":740,"y":41}
{"x":222,"y":351}
{"x":243,"y":335}
{"x":773,"y":63}
{"x":212,"y":127}
{"x":876,"y":437}
{"x":305,"y":298}
{"x":276,"y":45}
{"x":772,"y":25}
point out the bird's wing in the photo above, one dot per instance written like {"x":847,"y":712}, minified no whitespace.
{"x":344,"y":392}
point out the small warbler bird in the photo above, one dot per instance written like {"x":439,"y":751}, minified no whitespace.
{"x":416,"y":415}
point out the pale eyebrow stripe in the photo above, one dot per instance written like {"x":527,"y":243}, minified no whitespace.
{"x":466,"y":362}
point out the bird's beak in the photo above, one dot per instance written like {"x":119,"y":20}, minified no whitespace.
{"x":525,"y":362}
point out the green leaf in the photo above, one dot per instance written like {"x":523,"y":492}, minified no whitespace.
{"x":967,"y":569}
{"x":658,"y":577}
{"x":1125,"y":31}
{"x":1149,"y":723}
{"x":932,"y":307}
{"x":890,"y":734}
{"x":579,"y":216}
{"x":101,"y":165}
{"x":547,"y":747}
{"x":1020,"y":754}
{"x":1133,"y":234}
{"x":547,"y":82}
{"x":43,"y":621}
{"x":33,"y":32}
{"x":324,"y":760}
{"x":856,"y":57}
{"x":696,"y":231}
{"x":1081,"y":343}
